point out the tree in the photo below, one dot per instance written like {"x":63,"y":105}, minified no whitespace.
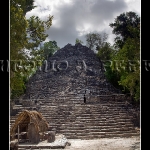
{"x":78,"y":41}
{"x":36,"y":32}
{"x":18,"y":41}
{"x":105,"y":52}
{"x":123,"y":25}
{"x":129,"y":70}
{"x":126,"y":62}
{"x":17,"y":37}
{"x":49,"y":48}
{"x":27,"y":5}
{"x":95,"y":40}
{"x":25,"y":36}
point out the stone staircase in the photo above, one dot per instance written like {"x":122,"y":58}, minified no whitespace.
{"x":100,"y":119}
{"x":57,"y":92}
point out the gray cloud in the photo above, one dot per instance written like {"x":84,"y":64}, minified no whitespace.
{"x":74,"y":20}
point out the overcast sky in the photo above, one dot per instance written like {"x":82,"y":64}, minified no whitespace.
{"x":75,"y":18}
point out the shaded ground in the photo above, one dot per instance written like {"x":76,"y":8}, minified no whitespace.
{"x":97,"y":144}
{"x":105,"y":144}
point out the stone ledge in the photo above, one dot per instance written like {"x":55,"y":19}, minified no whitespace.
{"x":60,"y":142}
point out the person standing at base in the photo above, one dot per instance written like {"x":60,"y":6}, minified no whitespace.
{"x":84,"y":99}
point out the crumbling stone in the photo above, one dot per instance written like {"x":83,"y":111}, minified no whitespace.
{"x":51,"y":136}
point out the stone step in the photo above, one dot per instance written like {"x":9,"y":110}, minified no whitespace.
{"x":86,"y":123}
{"x":85,"y":130}
{"x":88,"y":119}
{"x":90,"y":126}
{"x":46,"y":108}
{"x":92,"y":118}
{"x":78,"y":105}
{"x":94,"y":132}
{"x":74,"y":97}
{"x":81,"y":111}
{"x":77,"y":120}
{"x":108,"y":134}
{"x":17,"y":105}
{"x":85,"y":137}
{"x":98,"y":114}
{"x":64,"y":118}
{"x":100,"y":120}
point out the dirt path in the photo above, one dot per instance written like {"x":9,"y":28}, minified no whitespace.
{"x":105,"y":144}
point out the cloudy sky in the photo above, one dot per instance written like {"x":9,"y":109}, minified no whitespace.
{"x":75,"y":18}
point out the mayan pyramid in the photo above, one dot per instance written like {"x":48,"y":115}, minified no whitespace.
{"x":58,"y":88}
{"x":72,"y":69}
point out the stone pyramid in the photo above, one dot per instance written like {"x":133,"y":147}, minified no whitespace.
{"x":72,"y":69}
{"x":57,"y":90}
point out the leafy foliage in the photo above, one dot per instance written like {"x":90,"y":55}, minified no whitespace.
{"x":105,"y":52}
{"x":126,"y":62}
{"x":50,"y":48}
{"x":26,"y":36}
{"x":95,"y":40}
{"x":123,"y":25}
{"x":36,"y":30}
{"x":130,"y":72}
{"x":78,"y":41}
